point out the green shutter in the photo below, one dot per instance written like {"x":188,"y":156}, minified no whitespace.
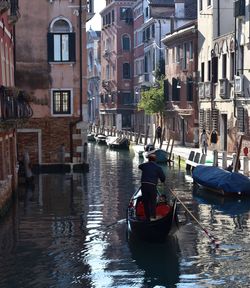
{"x":50,"y":46}
{"x":72,"y":47}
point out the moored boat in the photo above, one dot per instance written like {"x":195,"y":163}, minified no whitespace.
{"x":221,"y":181}
{"x":119,"y":143}
{"x":162,"y":156}
{"x":91,"y":137}
{"x":101,"y":139}
{"x":156,"y":230}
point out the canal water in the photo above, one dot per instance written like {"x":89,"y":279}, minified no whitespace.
{"x":69,"y":231}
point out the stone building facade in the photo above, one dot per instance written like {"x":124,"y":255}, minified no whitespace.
{"x":51,"y":66}
{"x":11,"y":103}
{"x":180,"y":84}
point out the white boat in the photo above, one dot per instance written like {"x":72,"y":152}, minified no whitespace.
{"x":101,"y":139}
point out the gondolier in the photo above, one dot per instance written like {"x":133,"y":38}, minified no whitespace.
{"x":151,"y":173}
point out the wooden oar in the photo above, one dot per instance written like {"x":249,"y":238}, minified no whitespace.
{"x":214,"y":240}
{"x":117,"y":222}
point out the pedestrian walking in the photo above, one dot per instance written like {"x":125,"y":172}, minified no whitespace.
{"x":151,"y":172}
{"x":214,"y":140}
{"x":204,"y":142}
{"x":158,"y":134}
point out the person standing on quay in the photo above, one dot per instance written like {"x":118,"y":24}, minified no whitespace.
{"x":204,"y":142}
{"x":158,"y":134}
{"x":151,"y":172}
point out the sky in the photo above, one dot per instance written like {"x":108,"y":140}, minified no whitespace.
{"x":95,"y":22}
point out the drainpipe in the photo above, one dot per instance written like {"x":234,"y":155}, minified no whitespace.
{"x":80,"y":58}
{"x":218,"y":15}
{"x":235,"y":65}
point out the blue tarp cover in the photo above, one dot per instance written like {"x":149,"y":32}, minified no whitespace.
{"x":217,"y":178}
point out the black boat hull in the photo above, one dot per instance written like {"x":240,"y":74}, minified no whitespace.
{"x":152,"y":231}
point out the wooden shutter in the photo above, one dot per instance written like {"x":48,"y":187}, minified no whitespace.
{"x":72,"y":47}
{"x":50,"y":47}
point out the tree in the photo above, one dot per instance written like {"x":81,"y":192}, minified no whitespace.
{"x":152,"y":100}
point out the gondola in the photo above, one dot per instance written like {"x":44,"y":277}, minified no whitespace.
{"x":220,"y":181}
{"x":156,"y":230}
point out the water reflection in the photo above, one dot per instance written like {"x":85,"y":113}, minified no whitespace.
{"x":59,"y":234}
{"x":159,"y":262}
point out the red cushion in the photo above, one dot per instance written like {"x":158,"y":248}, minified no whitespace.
{"x":162,"y":209}
{"x":140,"y":210}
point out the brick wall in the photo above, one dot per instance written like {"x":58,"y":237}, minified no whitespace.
{"x":54,"y":132}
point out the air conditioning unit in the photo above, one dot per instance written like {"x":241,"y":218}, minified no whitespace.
{"x":201,"y":88}
{"x":238,"y":84}
{"x":208,"y":89}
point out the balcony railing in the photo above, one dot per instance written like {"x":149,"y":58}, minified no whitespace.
{"x":13,"y":105}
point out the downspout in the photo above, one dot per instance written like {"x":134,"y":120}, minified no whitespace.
{"x":72,"y":124}
{"x":80,"y":58}
{"x":218,"y":15}
{"x":235,"y":60}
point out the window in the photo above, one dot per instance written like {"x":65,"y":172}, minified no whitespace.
{"x":175,"y":90}
{"x":178,"y":53}
{"x":61,"y":102}
{"x":125,"y":43}
{"x":127,"y":98}
{"x":125,"y":13}
{"x":166,"y":90}
{"x":126,"y":71}
{"x":185,"y":50}
{"x":61,"y":42}
{"x":191,"y":51}
{"x":153,"y":30}
{"x":209,"y":70}
{"x":224,"y":66}
{"x":202,"y":71}
{"x":189,"y":89}
{"x":215,"y":69}
{"x":232,"y":66}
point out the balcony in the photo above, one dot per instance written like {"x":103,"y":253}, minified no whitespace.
{"x":13,"y":105}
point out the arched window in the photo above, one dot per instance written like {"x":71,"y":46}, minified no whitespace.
{"x":61,"y":41}
{"x":125,"y":43}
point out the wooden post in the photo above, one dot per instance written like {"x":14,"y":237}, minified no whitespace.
{"x":224,"y":159}
{"x":246,"y":165}
{"x":146,"y":136}
{"x":215,"y":160}
{"x":236,"y":166}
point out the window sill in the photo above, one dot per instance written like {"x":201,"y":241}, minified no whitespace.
{"x":61,"y":115}
{"x":62,"y":63}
